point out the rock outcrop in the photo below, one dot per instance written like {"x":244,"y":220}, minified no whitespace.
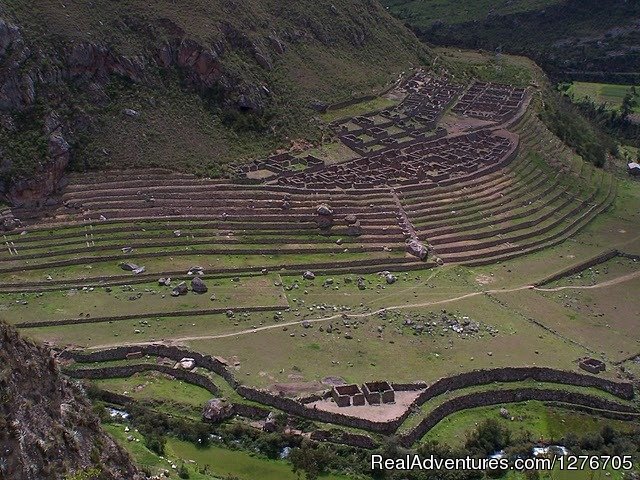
{"x":47,"y":427}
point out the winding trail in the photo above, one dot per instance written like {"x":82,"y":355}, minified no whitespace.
{"x":608,"y":283}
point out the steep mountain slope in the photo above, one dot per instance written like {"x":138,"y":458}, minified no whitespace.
{"x":190,"y":85}
{"x":583,"y":39}
{"x":47,"y":428}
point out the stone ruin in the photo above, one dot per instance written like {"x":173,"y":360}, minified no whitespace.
{"x":375,"y":393}
{"x":490,"y":101}
{"x":378,"y":393}
{"x":347,"y":395}
{"x":421,"y":161}
{"x":281,"y":164}
{"x":592,"y":365}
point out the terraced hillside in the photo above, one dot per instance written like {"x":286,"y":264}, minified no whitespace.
{"x":361,"y":260}
{"x":193,"y":88}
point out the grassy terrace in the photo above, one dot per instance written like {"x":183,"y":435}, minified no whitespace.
{"x":176,"y":397}
{"x":146,"y":298}
{"x":543,"y":422}
{"x":162,"y":264}
{"x":428,"y":406}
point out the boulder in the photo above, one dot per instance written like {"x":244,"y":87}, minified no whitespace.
{"x":324,"y":209}
{"x":355,"y":229}
{"x":198,"y":286}
{"x":180,"y":289}
{"x":186,"y":364}
{"x":350,"y":219}
{"x":308,"y":275}
{"x":197,"y":270}
{"x":270,"y":423}
{"x":417,"y":249}
{"x":390,"y":278}
{"x":216,"y":410}
{"x":132,"y":267}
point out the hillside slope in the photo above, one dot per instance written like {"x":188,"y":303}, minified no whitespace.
{"x":584,"y":39}
{"x":192,"y":87}
{"x":47,"y":428}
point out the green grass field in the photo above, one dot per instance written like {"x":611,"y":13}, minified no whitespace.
{"x":608,"y":94}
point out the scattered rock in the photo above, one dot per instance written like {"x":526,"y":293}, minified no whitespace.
{"x":198,"y":286}
{"x":216,"y":410}
{"x":180,"y":289}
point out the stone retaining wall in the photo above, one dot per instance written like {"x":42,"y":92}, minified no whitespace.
{"x":496,"y":397}
{"x":296,"y":407}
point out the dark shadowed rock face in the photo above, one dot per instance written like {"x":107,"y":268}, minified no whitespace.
{"x":47,"y":427}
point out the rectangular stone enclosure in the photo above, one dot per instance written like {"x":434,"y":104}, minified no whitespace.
{"x":347,"y":395}
{"x":378,"y":392}
{"x":592,"y":365}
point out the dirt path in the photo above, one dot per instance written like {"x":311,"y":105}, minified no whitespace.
{"x":317,"y":320}
{"x":608,"y":283}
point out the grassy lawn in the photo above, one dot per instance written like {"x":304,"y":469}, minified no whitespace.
{"x":398,"y":354}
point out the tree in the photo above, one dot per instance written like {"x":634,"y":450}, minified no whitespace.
{"x":182,"y":471}
{"x":629,"y":102}
{"x":489,"y":437}
{"x":312,"y":461}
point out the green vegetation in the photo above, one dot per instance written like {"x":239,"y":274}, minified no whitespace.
{"x":611,"y":95}
{"x":576,"y":39}
{"x":349,"y":50}
{"x":454,"y":12}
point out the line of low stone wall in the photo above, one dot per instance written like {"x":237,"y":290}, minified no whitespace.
{"x":344,"y":438}
{"x":137,"y":316}
{"x":596,"y":412}
{"x":290,"y":267}
{"x":112,"y":397}
{"x":355,"y":246}
{"x":483,"y":399}
{"x":473,"y":378}
{"x":216,"y":251}
{"x":295,"y":407}
{"x":125,"y":371}
{"x":600,"y":258}
{"x":250,"y":411}
{"x":355,"y":266}
{"x":630,"y":256}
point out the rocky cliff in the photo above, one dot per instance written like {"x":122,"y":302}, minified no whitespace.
{"x":47,"y":427}
{"x":145,"y":85}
